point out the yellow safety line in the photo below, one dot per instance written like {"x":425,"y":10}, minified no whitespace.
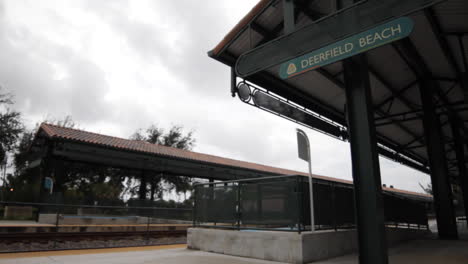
{"x":86,"y":251}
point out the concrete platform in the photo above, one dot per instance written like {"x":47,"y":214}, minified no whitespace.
{"x":420,"y":251}
{"x":289,"y":247}
{"x":141,"y":256}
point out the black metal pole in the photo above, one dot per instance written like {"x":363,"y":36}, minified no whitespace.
{"x":212,"y":196}
{"x":233,"y":82}
{"x":239,"y":205}
{"x":259,"y":202}
{"x":365,"y":162}
{"x":333,"y":199}
{"x":299,"y":195}
{"x":288,"y":15}
{"x":194,"y":209}
{"x":442,"y":193}
{"x":148,"y":221}
{"x":461,"y":162}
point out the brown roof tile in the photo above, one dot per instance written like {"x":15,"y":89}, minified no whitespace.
{"x":58,"y":132}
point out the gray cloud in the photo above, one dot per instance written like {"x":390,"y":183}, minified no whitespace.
{"x":200,"y":27}
{"x":193,"y":92}
{"x":28,"y":69}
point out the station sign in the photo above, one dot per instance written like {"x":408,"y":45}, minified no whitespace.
{"x":359,"y":17}
{"x":356,"y":44}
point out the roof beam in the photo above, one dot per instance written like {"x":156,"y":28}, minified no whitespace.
{"x":259,"y":29}
{"x":393,"y":90}
{"x":414,"y":60}
{"x":300,"y":6}
{"x":311,"y":14}
{"x":380,"y":112}
{"x":398,"y":120}
{"x":410,"y":85}
{"x":405,"y":114}
{"x":396,"y":94}
{"x":463,"y":52}
{"x":435,"y":26}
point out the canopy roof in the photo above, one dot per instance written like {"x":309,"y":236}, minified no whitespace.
{"x":83,"y":146}
{"x":436,"y":48}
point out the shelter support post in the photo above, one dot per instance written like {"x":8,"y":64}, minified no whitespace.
{"x":365,"y":162}
{"x":143,"y":183}
{"x":60,"y":172}
{"x":460,"y":155}
{"x":211,"y":180}
{"x":442,"y":193}
{"x":44,"y":171}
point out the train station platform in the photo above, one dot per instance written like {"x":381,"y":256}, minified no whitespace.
{"x":420,"y":251}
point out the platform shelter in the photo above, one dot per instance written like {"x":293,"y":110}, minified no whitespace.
{"x":389,"y":76}
{"x":56,"y":148}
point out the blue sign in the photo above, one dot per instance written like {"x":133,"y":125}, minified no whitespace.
{"x":359,"y":43}
{"x":48,"y":183}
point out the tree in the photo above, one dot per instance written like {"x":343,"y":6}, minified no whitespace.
{"x":10,"y":123}
{"x":24,"y":182}
{"x":10,"y":131}
{"x":427,"y":189}
{"x":158,"y":182}
{"x":74,"y":182}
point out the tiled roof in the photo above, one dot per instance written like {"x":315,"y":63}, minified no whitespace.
{"x":57,"y":132}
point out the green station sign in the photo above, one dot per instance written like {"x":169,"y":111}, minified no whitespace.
{"x":359,"y":43}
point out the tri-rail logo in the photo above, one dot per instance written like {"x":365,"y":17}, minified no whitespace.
{"x":359,"y":43}
{"x":292,"y":68}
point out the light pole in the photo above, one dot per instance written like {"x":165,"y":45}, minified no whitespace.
{"x":303,"y":148}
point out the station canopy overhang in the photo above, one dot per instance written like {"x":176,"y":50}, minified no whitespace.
{"x":435,"y":51}
{"x":79,"y":146}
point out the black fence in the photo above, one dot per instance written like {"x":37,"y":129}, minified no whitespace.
{"x":283,"y":203}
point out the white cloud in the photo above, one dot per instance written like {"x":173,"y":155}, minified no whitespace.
{"x":116,"y":66}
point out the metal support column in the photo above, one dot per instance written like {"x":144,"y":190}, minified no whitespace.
{"x":460,"y":154}
{"x":365,"y":162}
{"x":288,"y":13}
{"x":233,"y":82}
{"x":442,"y":192}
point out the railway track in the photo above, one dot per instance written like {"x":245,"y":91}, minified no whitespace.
{"x":32,"y":237}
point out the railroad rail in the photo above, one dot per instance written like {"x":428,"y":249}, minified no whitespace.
{"x":49,"y":235}
{"x":86,"y":238}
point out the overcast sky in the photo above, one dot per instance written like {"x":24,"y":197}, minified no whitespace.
{"x":116,"y":66}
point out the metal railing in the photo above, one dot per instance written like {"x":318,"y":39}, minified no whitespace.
{"x":282,"y":203}
{"x":267,"y":204}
